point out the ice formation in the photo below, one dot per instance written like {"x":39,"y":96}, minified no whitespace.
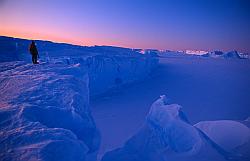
{"x":45,"y":113}
{"x":168,"y":136}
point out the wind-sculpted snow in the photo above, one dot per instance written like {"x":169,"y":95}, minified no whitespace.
{"x":44,"y":108}
{"x":167,"y":135}
{"x":233,"y":136}
{"x":110,"y":72}
{"x":44,"y":113}
{"x":173,"y":126}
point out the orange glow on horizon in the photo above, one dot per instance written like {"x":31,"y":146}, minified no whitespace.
{"x":54,"y":35}
{"x":131,"y":24}
{"x":42,"y":36}
{"x":58,"y":39}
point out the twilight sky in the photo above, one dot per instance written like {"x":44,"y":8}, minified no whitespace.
{"x":161,"y":24}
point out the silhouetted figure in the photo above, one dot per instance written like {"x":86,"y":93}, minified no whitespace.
{"x":33,"y":52}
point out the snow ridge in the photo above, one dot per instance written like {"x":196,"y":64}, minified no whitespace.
{"x":168,"y":136}
{"x":172,"y":124}
{"x":45,"y":113}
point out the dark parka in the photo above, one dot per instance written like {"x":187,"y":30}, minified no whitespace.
{"x":33,"y":52}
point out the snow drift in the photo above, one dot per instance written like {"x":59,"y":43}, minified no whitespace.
{"x":232,"y":136}
{"x":167,"y":135}
{"x":45,"y":113}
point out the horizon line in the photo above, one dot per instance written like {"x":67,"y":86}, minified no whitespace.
{"x":79,"y":44}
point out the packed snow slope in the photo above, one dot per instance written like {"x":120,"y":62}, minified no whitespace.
{"x":208,"y":89}
{"x":233,"y":136}
{"x":45,"y":114}
{"x":167,"y":135}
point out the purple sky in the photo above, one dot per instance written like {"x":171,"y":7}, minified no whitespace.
{"x":161,"y":24}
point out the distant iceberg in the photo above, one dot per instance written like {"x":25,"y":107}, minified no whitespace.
{"x":225,"y":55}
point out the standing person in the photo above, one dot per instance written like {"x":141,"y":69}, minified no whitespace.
{"x":33,"y":52}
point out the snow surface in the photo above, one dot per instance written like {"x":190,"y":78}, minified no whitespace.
{"x":228,"y":134}
{"x":173,"y":124}
{"x":167,"y":136}
{"x":196,"y":52}
{"x":45,"y":113}
{"x":208,"y":89}
{"x":52,"y":99}
{"x":108,"y":67}
{"x":211,"y":54}
{"x":244,"y":55}
{"x":53,"y":85}
{"x":221,"y":54}
{"x":109,"y":72}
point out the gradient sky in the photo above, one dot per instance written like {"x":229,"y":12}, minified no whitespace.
{"x":161,"y":24}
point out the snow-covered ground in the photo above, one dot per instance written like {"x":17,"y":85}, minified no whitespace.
{"x":207,"y":88}
{"x":232,"y":136}
{"x":108,"y":67}
{"x":167,"y":135}
{"x":45,"y":112}
{"x":47,"y":105}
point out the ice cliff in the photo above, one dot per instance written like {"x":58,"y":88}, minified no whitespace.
{"x":45,"y":113}
{"x":108,"y":67}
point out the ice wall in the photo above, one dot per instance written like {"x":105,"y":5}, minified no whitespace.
{"x":45,"y":114}
{"x":111,"y":72}
{"x":44,"y":108}
{"x":108,"y":67}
